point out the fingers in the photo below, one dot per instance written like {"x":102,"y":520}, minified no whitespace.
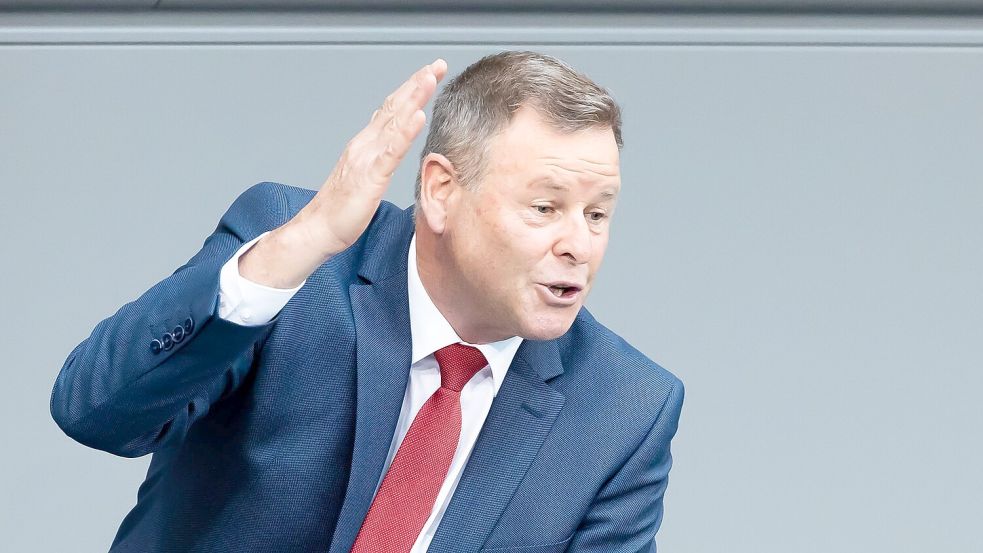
{"x":381,"y":145}
{"x":395,"y":142}
{"x":401,"y":118}
{"x":425,"y":79}
{"x":439,"y":67}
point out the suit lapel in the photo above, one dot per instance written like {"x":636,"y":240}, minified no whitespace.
{"x":517,"y":423}
{"x":521,"y":416}
{"x":383,"y":353}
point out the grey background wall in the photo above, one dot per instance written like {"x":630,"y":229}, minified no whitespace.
{"x":799,"y":236}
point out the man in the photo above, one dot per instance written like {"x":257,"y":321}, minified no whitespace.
{"x":332,"y":373}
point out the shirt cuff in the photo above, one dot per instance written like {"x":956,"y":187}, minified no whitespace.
{"x":248,"y":303}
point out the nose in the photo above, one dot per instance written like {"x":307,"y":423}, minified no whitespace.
{"x":574,"y":241}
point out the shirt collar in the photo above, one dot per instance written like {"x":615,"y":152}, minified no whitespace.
{"x":430,"y":331}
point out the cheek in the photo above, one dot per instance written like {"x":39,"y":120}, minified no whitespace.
{"x":503,"y":244}
{"x":599,"y":246}
{"x":506,"y":250}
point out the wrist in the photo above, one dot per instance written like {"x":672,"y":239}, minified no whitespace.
{"x":282,"y":259}
{"x":306,"y":231}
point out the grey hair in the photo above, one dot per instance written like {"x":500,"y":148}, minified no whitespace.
{"x":479,"y":103}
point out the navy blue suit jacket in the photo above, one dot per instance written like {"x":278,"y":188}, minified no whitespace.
{"x":273,"y":438}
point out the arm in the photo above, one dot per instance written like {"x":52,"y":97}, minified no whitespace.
{"x":119,"y":392}
{"x":146,"y":373}
{"x":627,"y":511}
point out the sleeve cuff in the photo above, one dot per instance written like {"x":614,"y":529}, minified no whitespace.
{"x":248,"y":303}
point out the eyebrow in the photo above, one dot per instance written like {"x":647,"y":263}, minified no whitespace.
{"x":564,"y":188}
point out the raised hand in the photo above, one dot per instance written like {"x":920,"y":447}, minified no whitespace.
{"x":350,"y":196}
{"x":341,"y":210}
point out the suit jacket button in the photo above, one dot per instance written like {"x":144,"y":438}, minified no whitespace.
{"x":178,"y":333}
{"x":167,"y":341}
{"x":189,"y":325}
{"x":155,"y":346}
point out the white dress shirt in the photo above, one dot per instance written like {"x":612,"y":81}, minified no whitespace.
{"x":248,"y":303}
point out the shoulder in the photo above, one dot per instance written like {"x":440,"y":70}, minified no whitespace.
{"x":271,"y":200}
{"x":595,"y":358}
{"x":274,"y":203}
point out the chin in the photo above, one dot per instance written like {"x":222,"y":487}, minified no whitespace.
{"x":547,"y":328}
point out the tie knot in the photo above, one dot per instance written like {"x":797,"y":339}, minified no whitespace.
{"x":458,"y":363}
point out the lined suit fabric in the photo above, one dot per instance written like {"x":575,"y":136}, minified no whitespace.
{"x":273,"y":437}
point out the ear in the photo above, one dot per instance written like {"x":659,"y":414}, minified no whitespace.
{"x":437,"y":183}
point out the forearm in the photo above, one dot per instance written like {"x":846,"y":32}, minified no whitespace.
{"x":132,"y":382}
{"x":286,"y":256}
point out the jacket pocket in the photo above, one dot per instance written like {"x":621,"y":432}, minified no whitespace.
{"x":557,"y":547}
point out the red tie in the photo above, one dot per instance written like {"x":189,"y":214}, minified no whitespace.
{"x":407,"y":494}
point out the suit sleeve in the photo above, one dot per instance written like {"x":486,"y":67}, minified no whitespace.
{"x":627,"y":512}
{"x":147,"y":372}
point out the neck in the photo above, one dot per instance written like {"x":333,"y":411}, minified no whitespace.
{"x":442,"y":282}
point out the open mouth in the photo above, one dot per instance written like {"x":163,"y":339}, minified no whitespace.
{"x":563,"y":291}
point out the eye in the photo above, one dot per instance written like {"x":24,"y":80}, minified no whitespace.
{"x":544,"y":209}
{"x":597,"y":216}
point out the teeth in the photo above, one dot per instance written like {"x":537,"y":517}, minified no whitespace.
{"x":556,"y":291}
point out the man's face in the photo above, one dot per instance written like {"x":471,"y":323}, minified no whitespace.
{"x":530,"y":240}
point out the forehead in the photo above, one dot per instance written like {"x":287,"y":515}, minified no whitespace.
{"x":531,"y":148}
